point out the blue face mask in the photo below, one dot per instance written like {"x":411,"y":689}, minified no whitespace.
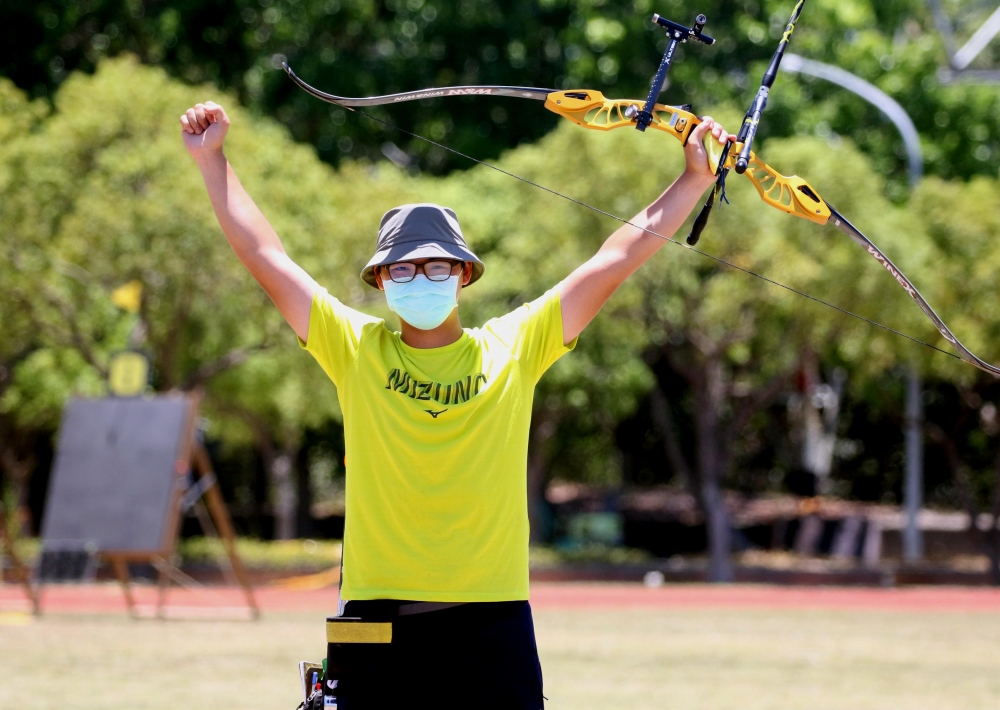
{"x":422,"y":303}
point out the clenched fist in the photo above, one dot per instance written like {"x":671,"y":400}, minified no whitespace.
{"x":204,"y":128}
{"x":696,"y":152}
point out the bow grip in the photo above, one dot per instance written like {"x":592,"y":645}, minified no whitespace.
{"x":715,"y":152}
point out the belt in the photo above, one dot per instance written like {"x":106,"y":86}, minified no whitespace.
{"x":390,"y":608}
{"x":424,"y":607}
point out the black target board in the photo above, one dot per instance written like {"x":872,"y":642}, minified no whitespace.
{"x":116,"y":475}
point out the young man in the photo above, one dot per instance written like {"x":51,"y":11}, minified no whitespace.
{"x":436,"y":423}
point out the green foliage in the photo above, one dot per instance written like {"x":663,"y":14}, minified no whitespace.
{"x":363,"y":47}
{"x":99,"y":192}
{"x":963,"y":221}
{"x":264,"y":554}
{"x":102,"y":193}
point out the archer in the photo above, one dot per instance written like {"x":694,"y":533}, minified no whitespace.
{"x":436,"y":422}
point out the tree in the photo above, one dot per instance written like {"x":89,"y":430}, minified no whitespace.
{"x":101,"y":193}
{"x":964,"y":221}
{"x":20,"y":339}
{"x":732,"y":340}
{"x":728,"y":345}
{"x":355,"y":47}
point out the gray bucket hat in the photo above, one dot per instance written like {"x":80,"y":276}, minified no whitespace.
{"x":421,"y":231}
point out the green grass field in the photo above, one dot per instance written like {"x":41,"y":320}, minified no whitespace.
{"x":739,"y":660}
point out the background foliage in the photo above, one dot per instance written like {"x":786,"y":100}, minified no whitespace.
{"x":363,"y":47}
{"x":96,"y":191}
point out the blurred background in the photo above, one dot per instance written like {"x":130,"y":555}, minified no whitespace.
{"x":827,"y":450}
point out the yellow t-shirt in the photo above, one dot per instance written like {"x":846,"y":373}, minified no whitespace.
{"x":436,"y":451}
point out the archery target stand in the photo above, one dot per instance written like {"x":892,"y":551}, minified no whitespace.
{"x":127,"y":470}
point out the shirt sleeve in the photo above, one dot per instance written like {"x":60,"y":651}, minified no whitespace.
{"x":534,"y":333}
{"x":335,"y":334}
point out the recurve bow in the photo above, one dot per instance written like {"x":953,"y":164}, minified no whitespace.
{"x":591,"y":109}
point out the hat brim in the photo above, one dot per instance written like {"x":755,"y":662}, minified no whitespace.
{"x":421,"y":250}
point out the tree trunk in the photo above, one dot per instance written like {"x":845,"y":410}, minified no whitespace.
{"x":284,"y":496}
{"x":280,"y":470}
{"x":709,"y":397}
{"x":720,"y":566}
{"x":304,"y":521}
{"x":537,"y":464}
{"x":663,"y":419}
{"x":17,"y":472}
{"x":715,"y":430}
{"x":913,"y":490}
{"x":994,"y":534}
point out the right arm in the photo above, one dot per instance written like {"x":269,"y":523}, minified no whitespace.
{"x":250,"y":235}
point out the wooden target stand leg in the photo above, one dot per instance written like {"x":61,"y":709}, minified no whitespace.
{"x":21,"y":571}
{"x":120,"y":565}
{"x":215,"y":522}
{"x":223,"y":524}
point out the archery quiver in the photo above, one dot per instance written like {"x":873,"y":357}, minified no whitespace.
{"x":312,"y":677}
{"x":353,"y":646}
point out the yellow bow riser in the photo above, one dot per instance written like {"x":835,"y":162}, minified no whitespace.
{"x":590,"y":109}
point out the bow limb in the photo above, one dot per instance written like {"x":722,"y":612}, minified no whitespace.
{"x":520,"y":92}
{"x":854,"y":233}
{"x":585,"y":107}
{"x":795,"y":196}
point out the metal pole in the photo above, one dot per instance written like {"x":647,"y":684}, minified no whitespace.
{"x":913,"y":540}
{"x":873,"y":95}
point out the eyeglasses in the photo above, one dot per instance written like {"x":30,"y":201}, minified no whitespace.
{"x":404,"y":271}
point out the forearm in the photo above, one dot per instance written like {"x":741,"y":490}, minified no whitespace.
{"x":203,"y":128}
{"x":256,"y":244}
{"x":587,"y":289}
{"x":630,"y":246}
{"x":247,"y":230}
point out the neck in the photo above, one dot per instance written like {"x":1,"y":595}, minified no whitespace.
{"x":445,"y":334}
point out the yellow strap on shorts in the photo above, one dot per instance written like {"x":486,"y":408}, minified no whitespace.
{"x":349,"y":630}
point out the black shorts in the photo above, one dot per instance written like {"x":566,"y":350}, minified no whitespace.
{"x":479,"y":655}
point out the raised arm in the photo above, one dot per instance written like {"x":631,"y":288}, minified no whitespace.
{"x":248,"y":231}
{"x":584,"y":292}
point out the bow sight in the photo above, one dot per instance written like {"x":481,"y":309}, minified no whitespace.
{"x":678,"y":34}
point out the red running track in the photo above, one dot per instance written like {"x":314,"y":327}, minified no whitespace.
{"x":229,"y":601}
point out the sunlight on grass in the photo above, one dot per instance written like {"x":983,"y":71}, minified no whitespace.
{"x":619,"y":659}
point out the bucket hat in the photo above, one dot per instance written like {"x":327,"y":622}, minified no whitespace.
{"x":420,"y":231}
